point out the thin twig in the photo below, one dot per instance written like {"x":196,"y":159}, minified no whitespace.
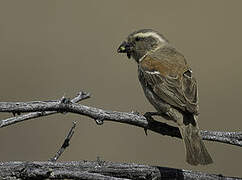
{"x":13,"y":120}
{"x":100,"y":115}
{"x":65,"y":144}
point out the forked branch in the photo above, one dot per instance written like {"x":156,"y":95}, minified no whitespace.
{"x":99,"y":115}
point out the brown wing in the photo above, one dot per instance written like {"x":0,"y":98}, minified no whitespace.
{"x":171,"y":79}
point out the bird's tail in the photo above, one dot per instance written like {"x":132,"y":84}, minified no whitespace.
{"x":196,"y":152}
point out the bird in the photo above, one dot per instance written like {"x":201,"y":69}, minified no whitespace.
{"x":169,"y":85}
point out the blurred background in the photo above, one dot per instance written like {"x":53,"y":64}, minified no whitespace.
{"x":53,"y":48}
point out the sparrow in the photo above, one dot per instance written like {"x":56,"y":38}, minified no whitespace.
{"x":170,"y":86}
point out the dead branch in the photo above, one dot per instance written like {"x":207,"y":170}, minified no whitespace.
{"x":65,"y":144}
{"x":13,"y":120}
{"x":42,"y":108}
{"x":98,"y":170}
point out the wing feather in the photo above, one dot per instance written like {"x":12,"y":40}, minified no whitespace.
{"x":173,"y":81}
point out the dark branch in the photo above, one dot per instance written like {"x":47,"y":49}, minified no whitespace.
{"x":95,"y":170}
{"x":100,"y":115}
{"x":65,"y":144}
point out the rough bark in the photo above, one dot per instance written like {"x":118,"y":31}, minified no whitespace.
{"x":98,"y":170}
{"x":42,"y":108}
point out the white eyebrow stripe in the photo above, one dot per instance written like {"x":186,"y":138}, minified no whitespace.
{"x":152,"y":72}
{"x":152,"y":34}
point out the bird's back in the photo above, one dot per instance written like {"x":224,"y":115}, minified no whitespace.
{"x":173,"y":81}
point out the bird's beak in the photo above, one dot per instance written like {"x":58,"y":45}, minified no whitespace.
{"x":125,"y":48}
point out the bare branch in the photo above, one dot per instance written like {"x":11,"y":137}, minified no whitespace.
{"x":65,"y":144}
{"x":95,"y":170}
{"x":13,"y":120}
{"x":100,"y":115}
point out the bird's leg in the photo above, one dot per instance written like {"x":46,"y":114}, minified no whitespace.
{"x":148,"y":116}
{"x":169,"y":115}
{"x":165,"y":115}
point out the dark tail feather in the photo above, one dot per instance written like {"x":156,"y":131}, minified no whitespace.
{"x":196,"y":152}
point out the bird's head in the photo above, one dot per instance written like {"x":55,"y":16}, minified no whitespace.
{"x":141,"y":42}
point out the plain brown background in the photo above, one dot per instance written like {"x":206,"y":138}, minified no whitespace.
{"x":53,"y":48}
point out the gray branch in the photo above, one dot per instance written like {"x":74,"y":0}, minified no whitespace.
{"x":13,"y":120}
{"x":100,"y":115}
{"x":98,"y":170}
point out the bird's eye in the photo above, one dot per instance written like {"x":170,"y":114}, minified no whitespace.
{"x":137,"y":39}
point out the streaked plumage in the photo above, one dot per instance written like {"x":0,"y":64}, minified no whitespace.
{"x":169,"y":85}
{"x":175,"y":83}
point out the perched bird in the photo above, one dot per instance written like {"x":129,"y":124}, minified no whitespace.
{"x":169,"y":85}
